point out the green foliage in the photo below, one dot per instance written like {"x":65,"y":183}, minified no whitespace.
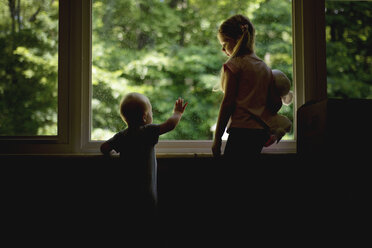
{"x":28,"y":68}
{"x":349,"y":54}
{"x":169,"y":49}
{"x":165,"y":49}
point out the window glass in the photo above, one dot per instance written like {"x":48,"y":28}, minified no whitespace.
{"x":167,"y":49}
{"x":349,"y":53}
{"x":28,"y":67}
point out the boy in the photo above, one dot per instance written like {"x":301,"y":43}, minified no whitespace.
{"x":137,"y":154}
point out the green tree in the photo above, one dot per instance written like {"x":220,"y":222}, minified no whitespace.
{"x":349,"y":53}
{"x":166,"y":49}
{"x":28,"y":67}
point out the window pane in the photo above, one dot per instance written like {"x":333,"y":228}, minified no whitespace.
{"x":169,"y":48}
{"x":349,"y":54}
{"x":28,"y":67}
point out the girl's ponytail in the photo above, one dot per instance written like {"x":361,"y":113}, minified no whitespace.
{"x":240,"y":47}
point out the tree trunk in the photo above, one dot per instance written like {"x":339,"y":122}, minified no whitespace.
{"x":11,"y":4}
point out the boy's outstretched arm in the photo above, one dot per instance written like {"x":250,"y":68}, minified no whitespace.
{"x":171,"y":123}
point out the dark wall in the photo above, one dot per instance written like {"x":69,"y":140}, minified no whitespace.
{"x":61,"y":197}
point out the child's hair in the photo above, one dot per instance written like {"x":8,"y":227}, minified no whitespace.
{"x":240,"y":29}
{"x":133,"y":107}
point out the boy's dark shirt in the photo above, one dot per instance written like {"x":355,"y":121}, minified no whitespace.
{"x":137,"y":153}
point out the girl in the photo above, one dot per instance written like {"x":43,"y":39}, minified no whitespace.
{"x":247,"y":83}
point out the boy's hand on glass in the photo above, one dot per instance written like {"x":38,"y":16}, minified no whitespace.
{"x":180,"y":106}
{"x":173,"y":121}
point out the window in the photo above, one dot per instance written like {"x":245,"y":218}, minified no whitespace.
{"x":166,"y":49}
{"x":77,"y":65}
{"x":28,"y":68}
{"x":349,"y":57}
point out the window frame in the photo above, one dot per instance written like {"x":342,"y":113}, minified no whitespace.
{"x":50,"y":143}
{"x":75,"y":91}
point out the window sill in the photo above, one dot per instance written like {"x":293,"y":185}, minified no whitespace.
{"x":203,"y":147}
{"x":192,"y":148}
{"x":164,"y":149}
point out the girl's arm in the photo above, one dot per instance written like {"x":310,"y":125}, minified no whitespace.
{"x":226,"y":109}
{"x":172,"y":122}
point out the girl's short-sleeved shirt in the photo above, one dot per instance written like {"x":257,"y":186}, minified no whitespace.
{"x":254,"y":94}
